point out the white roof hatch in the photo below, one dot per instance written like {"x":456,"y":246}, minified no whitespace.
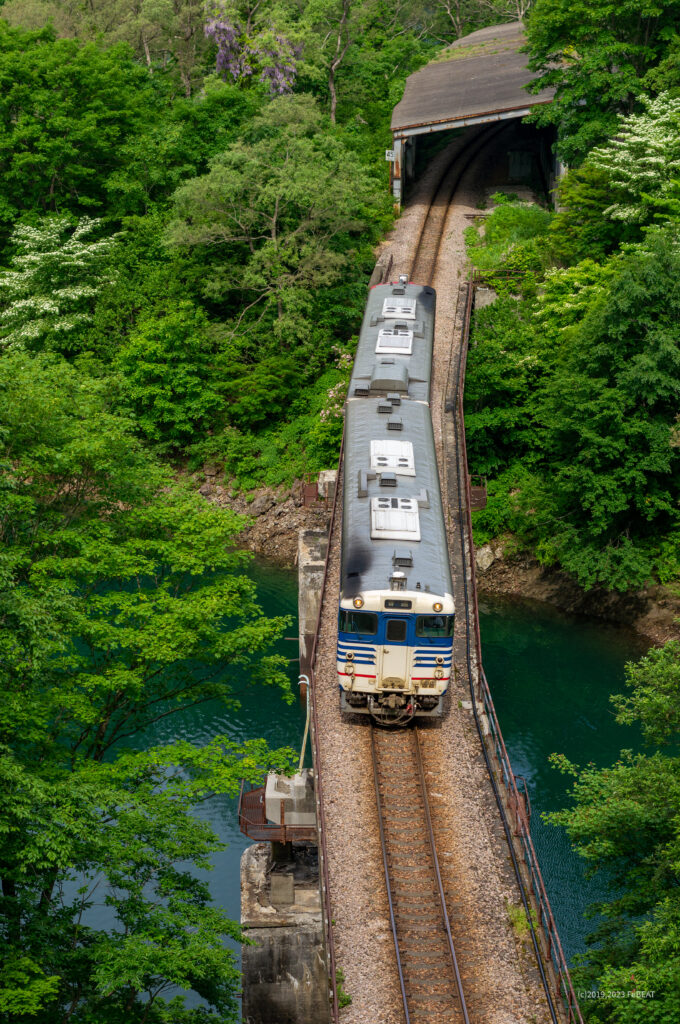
{"x":396,"y":456}
{"x":397,"y":341}
{"x":399,"y":305}
{"x":395,"y":519}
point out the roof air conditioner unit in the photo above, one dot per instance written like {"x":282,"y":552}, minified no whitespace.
{"x":388,"y":479}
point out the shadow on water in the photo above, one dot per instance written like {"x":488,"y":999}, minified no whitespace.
{"x":550,"y":676}
{"x":262,"y":714}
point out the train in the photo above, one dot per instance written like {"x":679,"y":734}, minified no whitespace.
{"x":396,"y":608}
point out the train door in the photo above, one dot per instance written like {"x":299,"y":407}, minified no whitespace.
{"x":395,"y":658}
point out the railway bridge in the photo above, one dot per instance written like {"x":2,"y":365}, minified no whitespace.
{"x":425,"y":852}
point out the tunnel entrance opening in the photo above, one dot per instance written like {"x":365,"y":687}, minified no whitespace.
{"x":479,"y":80}
{"x":527,"y":160}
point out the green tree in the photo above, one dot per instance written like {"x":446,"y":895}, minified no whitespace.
{"x":121,"y":602}
{"x":177,"y":145}
{"x":65,"y":112}
{"x":609,"y":420}
{"x":57,"y":272}
{"x":170,"y":376}
{"x":655,"y":700}
{"x":505,"y":366}
{"x":642,"y":161}
{"x":596,"y":55}
{"x":579,"y":230}
{"x":165,"y":35}
{"x":624,"y":821}
{"x":287,"y":207}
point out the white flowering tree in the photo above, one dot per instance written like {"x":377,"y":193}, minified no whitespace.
{"x":643,"y":162}
{"x":47,"y":295}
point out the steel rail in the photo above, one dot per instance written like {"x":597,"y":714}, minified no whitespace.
{"x":440,"y":887}
{"x":468,"y":559}
{"x":436,"y":871}
{"x":318,"y":782}
{"x":386,"y":869}
{"x":467,"y":156}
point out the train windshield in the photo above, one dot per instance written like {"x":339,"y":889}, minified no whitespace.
{"x":396,"y":631}
{"x":364,"y":623}
{"x":433,"y":626}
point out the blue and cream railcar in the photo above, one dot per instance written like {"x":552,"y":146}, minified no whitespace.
{"x":396,"y":617}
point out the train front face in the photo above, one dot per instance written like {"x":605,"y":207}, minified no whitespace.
{"x":395,"y":654}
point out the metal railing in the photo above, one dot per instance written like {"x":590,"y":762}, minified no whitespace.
{"x":318,"y":780}
{"x":523,"y":834}
{"x":516,"y":802}
{"x":252,"y":820}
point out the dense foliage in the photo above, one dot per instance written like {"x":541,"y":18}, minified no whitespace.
{"x":572,"y":413}
{"x":602,"y":59}
{"x":121,"y":602}
{"x":190,"y":195}
{"x":574,"y":373}
{"x":624,"y":822}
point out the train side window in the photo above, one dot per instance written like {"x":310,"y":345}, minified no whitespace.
{"x":396,"y":631}
{"x":363,"y":623}
{"x":434,"y":626}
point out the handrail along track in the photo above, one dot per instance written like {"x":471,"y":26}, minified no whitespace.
{"x":565,"y":987}
{"x":318,"y":782}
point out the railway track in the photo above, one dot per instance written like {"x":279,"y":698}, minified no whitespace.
{"x":429,"y":977}
{"x":429,"y":243}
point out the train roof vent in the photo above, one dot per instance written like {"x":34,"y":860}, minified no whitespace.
{"x":395,"y":423}
{"x":388,"y":479}
{"x":389,"y":376}
{"x":394,"y":399}
{"x":397,"y":341}
{"x":385,"y":407}
{"x":362,"y":389}
{"x":398,"y":306}
{"x":402,"y":556}
{"x":395,"y":519}
{"x":393,"y":455}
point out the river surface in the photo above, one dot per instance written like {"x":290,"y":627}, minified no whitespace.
{"x":550,"y":677}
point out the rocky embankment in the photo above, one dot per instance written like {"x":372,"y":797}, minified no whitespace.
{"x":275,"y":516}
{"x":653,"y":612}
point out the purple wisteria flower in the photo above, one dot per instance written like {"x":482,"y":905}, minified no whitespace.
{"x":241,"y":57}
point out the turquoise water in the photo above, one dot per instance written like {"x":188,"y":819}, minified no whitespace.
{"x":550,"y":677}
{"x":262,"y":713}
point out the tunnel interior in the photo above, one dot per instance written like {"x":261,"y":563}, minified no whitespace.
{"x":528,"y":159}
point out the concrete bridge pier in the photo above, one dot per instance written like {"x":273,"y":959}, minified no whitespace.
{"x":284,"y":971}
{"x":285,"y":978}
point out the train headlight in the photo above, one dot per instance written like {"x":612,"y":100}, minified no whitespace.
{"x":350,"y":656}
{"x":358,"y":602}
{"x":438,"y":673}
{"x":439,"y":659}
{"x":437,"y":606}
